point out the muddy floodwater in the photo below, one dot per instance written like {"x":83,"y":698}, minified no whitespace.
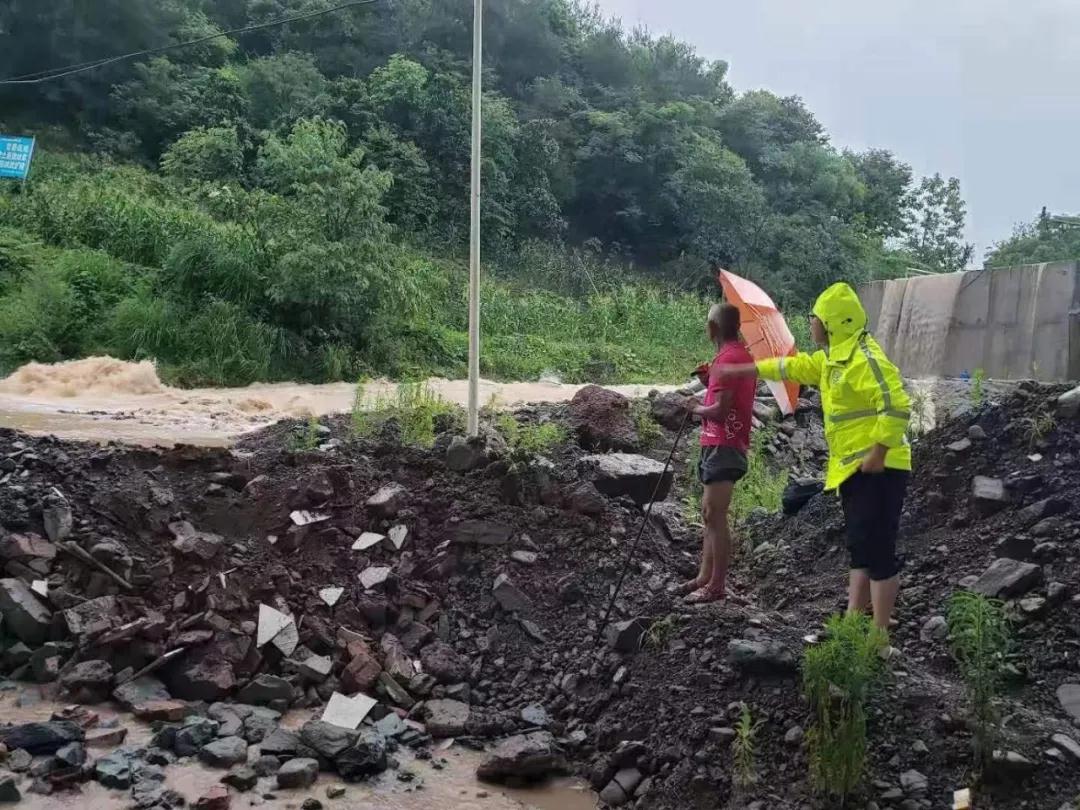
{"x":103,"y":399}
{"x":449,"y":786}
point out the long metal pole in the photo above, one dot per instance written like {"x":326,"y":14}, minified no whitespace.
{"x":474,"y":228}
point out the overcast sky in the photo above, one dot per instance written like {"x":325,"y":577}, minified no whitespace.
{"x":984,"y":90}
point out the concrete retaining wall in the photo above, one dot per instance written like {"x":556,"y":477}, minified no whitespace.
{"x":1013,"y":323}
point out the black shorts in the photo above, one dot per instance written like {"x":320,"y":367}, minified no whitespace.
{"x":872,"y":506}
{"x":721,"y":463}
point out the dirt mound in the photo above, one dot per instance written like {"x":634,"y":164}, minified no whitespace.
{"x":367,"y":557}
{"x":92,"y":375}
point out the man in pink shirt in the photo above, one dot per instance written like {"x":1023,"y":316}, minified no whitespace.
{"x":725,"y":444}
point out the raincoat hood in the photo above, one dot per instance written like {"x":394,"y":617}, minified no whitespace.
{"x":840,"y":310}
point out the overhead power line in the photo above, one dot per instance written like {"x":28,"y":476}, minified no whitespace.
{"x":68,"y":70}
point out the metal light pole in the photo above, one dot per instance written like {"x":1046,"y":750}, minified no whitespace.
{"x":474,"y":229}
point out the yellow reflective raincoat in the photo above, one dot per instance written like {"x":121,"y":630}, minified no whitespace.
{"x":862,"y":393}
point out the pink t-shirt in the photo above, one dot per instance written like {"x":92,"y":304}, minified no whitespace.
{"x":733,"y":428}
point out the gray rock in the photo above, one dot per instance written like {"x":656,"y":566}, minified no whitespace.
{"x":585,"y":499}
{"x":613,"y":795}
{"x":196,"y":732}
{"x":46,"y":660}
{"x":315,"y":668}
{"x":1006,"y":578}
{"x":140,"y":691}
{"x":266,"y":765}
{"x":224,"y":752}
{"x":444,"y":663}
{"x":9,"y":789}
{"x":117,"y":769}
{"x":242,"y":778}
{"x":189,"y":542}
{"x":446,"y":718}
{"x":41,"y":738}
{"x":88,"y":681}
{"x":326,"y":739}
{"x":961,"y":446}
{"x":23,"y":614}
{"x":936,"y":628}
{"x":1068,"y":746}
{"x":638,"y":477}
{"x":761,"y":657}
{"x":91,"y":614}
{"x":601,"y":419}
{"x":57,"y":520}
{"x":794,"y":736}
{"x":1009,"y":766}
{"x":387,"y":502}
{"x":976,"y":433}
{"x":1068,"y":694}
{"x":18,"y":760}
{"x":298,"y":773}
{"x":482,"y":533}
{"x":1068,"y":404}
{"x":1040,"y":510}
{"x":524,"y":557}
{"x":365,"y":757}
{"x":466,"y":454}
{"x":509,"y":596}
{"x":524,"y":756}
{"x":990,"y":494}
{"x":265,"y":689}
{"x":625,"y":636}
{"x":281,"y":743}
{"x":72,"y":755}
{"x":535,"y":715}
{"x":260,"y":723}
{"x":913,"y":783}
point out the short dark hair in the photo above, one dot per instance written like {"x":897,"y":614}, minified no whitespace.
{"x":728,"y":322}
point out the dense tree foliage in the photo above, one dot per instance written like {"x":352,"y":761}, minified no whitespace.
{"x":1048,"y":239}
{"x":296,"y":173}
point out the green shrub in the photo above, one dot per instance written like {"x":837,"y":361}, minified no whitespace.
{"x":839,"y":675}
{"x":762,"y":486}
{"x":648,"y":431}
{"x":979,"y":633}
{"x":415,"y":406}
{"x":38,"y":321}
{"x":977,"y":393}
{"x":744,"y":750}
{"x":528,"y":441}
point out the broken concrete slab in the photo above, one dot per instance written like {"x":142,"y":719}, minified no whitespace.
{"x":140,"y":691}
{"x":190,"y":542}
{"x":1040,"y":510}
{"x":395,"y":691}
{"x":23,"y":614}
{"x":58,"y":522}
{"x":1007,"y":578}
{"x":315,"y":668}
{"x":265,"y":689}
{"x":347,"y":712}
{"x":363,"y":668}
{"x":331,"y":595}
{"x":638,"y":477}
{"x":990,"y":494}
{"x":446,"y":718}
{"x":397,"y":536}
{"x":302,"y":517}
{"x":92,"y":616}
{"x":524,"y":756}
{"x":1068,"y":695}
{"x":271,"y":622}
{"x":25,"y":547}
{"x":1068,"y":404}
{"x":298,"y":773}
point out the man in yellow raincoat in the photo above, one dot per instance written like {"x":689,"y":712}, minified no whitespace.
{"x":866,"y":413}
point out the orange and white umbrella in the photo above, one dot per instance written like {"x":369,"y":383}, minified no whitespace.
{"x":766,"y":333}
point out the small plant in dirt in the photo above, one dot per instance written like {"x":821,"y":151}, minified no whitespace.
{"x":839,"y":676}
{"x":744,"y":751}
{"x":920,"y":412}
{"x":1038,"y":427}
{"x":979,"y":633}
{"x":660,"y":632}
{"x":306,"y":437}
{"x":526,"y":442}
{"x":978,"y":388}
{"x":415,"y":406}
{"x":648,"y":431}
{"x":763,"y":485}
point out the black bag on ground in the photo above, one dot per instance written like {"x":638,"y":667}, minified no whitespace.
{"x":798,"y":492}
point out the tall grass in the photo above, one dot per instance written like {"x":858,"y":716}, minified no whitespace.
{"x":414,"y":406}
{"x":839,"y":676}
{"x":763,"y":485}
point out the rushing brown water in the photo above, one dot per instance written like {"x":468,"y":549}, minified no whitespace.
{"x":103,"y":399}
{"x":454,"y":787}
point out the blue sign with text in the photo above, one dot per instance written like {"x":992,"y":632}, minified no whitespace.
{"x":15,"y":156}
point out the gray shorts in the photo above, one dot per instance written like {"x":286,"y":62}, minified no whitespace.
{"x":721,"y":463}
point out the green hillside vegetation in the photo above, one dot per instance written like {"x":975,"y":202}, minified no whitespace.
{"x":293,"y":203}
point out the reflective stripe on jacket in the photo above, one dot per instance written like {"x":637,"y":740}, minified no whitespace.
{"x":862,"y":392}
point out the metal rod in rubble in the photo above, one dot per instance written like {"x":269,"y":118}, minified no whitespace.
{"x":474,"y":228}
{"x":641,"y":530}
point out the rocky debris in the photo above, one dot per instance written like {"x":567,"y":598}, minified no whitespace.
{"x":23,"y":614}
{"x":193,"y":735}
{"x":959,"y":446}
{"x":1007,"y":578}
{"x":242,"y":778}
{"x":347,"y":712}
{"x":374,"y":576}
{"x":266,"y":689}
{"x":26,"y":548}
{"x":936,"y":628}
{"x":387,"y":501}
{"x":189,"y":542}
{"x":277,"y":628}
{"x":281,"y":743}
{"x":206,"y":679}
{"x":326,"y":739}
{"x":88,"y":681}
{"x":365,"y":757}
{"x":1068,"y":404}
{"x":444,"y":663}
{"x":41,"y":738}
{"x":92,"y":615}
{"x":1010,"y":766}
{"x":216,"y":798}
{"x":601,"y":420}
{"x":224,"y":752}
{"x":298,"y":773}
{"x":367,"y":540}
{"x":1068,"y":694}
{"x":585,"y":499}
{"x":535,"y":715}
{"x":331,"y":595}
{"x":637,"y":477}
{"x":446,"y":718}
{"x":1068,"y":746}
{"x":509,"y":597}
{"x":1040,"y":510}
{"x":58,"y":520}
{"x":363,"y":669}
{"x":266,"y":765}
{"x":465,"y":454}
{"x":139,"y":692}
{"x":668,"y":410}
{"x":524,"y":756}
{"x":396,"y":661}
{"x":625,"y":636}
{"x":761,"y":657}
{"x":106,"y":737}
{"x":117,"y":769}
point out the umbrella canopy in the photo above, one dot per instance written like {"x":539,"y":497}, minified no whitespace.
{"x":766,"y":333}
